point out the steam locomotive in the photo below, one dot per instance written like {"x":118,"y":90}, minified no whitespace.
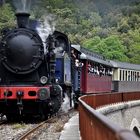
{"x":31,"y":78}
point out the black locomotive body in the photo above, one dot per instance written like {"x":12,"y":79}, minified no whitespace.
{"x":28,"y":83}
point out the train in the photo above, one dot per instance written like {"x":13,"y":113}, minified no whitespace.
{"x":35,"y":77}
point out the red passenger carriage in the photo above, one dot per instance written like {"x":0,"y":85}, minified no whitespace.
{"x":96,"y":73}
{"x":94,"y":83}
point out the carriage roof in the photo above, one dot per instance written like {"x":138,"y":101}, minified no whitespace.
{"x":86,"y":54}
{"x":125,"y":65}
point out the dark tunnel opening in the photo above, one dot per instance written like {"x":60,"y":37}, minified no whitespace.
{"x":136,"y":131}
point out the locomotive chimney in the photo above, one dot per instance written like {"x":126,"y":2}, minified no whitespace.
{"x":22,"y":19}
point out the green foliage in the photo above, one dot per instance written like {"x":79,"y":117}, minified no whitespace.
{"x":107,"y":27}
{"x":134,"y":21}
{"x":92,"y":42}
{"x":110,"y":47}
{"x":6,"y":16}
{"x":132,"y":41}
{"x":123,"y":27}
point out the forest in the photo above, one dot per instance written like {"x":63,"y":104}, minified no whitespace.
{"x":108,"y":27}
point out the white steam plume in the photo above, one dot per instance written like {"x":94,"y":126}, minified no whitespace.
{"x":47,"y":27}
{"x":22,"y":5}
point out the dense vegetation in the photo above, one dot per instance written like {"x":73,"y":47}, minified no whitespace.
{"x":108,"y":27}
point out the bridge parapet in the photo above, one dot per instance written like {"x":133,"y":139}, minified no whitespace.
{"x":95,"y":126}
{"x":124,"y":114}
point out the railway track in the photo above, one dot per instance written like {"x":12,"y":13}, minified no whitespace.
{"x":27,"y":134}
{"x":30,"y":134}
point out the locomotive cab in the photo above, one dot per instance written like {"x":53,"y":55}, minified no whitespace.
{"x":63,"y":60}
{"x":63,"y":66}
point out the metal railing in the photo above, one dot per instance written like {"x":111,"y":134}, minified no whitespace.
{"x":95,"y":126}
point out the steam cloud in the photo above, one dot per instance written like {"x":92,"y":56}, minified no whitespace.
{"x":22,"y":5}
{"x":47,"y":27}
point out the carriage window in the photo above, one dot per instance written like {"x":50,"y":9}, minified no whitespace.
{"x":123,"y":75}
{"x":129,"y":76}
{"x":137,"y":76}
{"x":120,"y":75}
{"x":126,"y":79}
{"x":133,"y":76}
{"x":89,"y":67}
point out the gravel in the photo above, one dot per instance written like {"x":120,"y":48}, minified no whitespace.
{"x":51,"y":131}
{"x":12,"y":131}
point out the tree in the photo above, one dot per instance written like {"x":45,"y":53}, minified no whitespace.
{"x":124,"y":27}
{"x":110,"y":47}
{"x":6,"y":16}
{"x":134,"y":21}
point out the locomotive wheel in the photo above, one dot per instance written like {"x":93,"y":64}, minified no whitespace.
{"x":49,"y":109}
{"x":55,"y":99}
{"x":56,"y":104}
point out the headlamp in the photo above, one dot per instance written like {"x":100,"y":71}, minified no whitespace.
{"x":43,"y":94}
{"x":43,"y":80}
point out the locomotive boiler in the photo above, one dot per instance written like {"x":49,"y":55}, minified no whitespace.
{"x":27,"y":74}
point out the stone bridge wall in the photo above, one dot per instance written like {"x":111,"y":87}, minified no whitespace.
{"x":125,"y":114}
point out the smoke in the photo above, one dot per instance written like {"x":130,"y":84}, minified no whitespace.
{"x":22,"y":5}
{"x":66,"y":104}
{"x":47,"y":27}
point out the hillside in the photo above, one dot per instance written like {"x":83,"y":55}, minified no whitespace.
{"x":108,"y":27}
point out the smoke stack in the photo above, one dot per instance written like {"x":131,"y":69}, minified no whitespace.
{"x":22,"y":19}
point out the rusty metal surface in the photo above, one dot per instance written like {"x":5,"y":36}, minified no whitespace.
{"x":95,"y":126}
{"x":96,"y":100}
{"x":129,"y":96}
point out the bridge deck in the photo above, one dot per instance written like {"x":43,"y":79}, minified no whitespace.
{"x":71,"y":129}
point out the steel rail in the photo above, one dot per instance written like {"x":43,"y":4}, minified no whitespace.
{"x":27,"y":134}
{"x":32,"y":130}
